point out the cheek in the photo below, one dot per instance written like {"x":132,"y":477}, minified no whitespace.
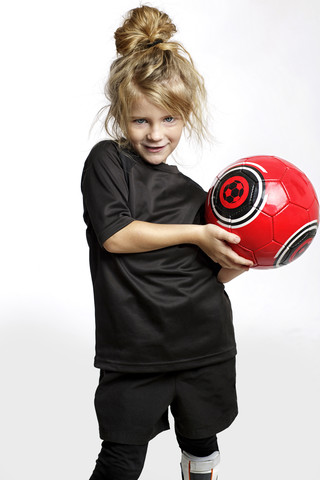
{"x":130,"y":135}
{"x":134,"y":135}
{"x":178,"y":135}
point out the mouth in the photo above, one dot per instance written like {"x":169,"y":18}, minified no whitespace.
{"x":154,"y":149}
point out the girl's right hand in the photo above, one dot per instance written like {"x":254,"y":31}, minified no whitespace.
{"x":215,"y":242}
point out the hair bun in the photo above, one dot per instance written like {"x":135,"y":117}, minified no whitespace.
{"x":143,"y":27}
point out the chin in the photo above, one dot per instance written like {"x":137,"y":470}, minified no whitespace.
{"x":154,"y":161}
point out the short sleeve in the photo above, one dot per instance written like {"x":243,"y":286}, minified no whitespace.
{"x":105,"y":191}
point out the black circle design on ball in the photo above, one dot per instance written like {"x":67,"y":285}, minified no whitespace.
{"x":238,"y":196}
{"x":296,"y":245}
{"x":233,"y":191}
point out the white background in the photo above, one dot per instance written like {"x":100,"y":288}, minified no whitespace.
{"x":260,"y":60}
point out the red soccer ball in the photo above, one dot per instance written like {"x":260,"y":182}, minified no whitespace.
{"x":270,"y":204}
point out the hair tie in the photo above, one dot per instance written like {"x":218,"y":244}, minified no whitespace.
{"x":149,"y":45}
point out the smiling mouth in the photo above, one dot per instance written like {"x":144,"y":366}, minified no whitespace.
{"x":154,"y":149}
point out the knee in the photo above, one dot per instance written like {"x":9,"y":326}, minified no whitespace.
{"x":200,"y":447}
{"x":119,"y":461}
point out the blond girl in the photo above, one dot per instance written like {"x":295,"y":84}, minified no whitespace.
{"x":164,"y":331}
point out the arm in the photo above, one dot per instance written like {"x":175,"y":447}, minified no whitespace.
{"x":144,"y":237}
{"x":227,"y":274}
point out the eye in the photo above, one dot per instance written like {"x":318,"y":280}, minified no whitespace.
{"x":169,"y":119}
{"x":139,"y":121}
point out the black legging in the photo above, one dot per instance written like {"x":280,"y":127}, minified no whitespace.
{"x":125,"y":462}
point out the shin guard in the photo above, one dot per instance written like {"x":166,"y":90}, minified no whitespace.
{"x":200,"y":468}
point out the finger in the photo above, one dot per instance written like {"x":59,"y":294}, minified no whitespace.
{"x":234,"y":266}
{"x":230,"y":259}
{"x":228,"y":236}
{"x":240,"y":261}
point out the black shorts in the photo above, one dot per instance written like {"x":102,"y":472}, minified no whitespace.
{"x":132,"y":408}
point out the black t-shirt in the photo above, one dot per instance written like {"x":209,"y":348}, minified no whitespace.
{"x":155,"y":311}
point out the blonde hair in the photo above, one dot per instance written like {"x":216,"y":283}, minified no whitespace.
{"x":150,"y":64}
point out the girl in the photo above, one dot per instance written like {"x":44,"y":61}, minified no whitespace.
{"x":164,"y":332}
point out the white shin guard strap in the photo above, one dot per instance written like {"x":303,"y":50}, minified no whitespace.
{"x":198,"y":468}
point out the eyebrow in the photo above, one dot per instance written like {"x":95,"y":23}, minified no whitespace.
{"x":146,"y":116}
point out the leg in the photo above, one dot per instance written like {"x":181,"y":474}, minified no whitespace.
{"x":200,"y":458}
{"x":200,"y":447}
{"x":118,"y":461}
{"x":205,"y":403}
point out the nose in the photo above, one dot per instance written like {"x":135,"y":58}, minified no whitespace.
{"x":155,"y":133}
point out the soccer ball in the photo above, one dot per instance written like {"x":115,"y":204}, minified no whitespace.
{"x":270,"y":204}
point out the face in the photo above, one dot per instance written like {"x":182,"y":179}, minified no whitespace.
{"x":153,"y":132}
